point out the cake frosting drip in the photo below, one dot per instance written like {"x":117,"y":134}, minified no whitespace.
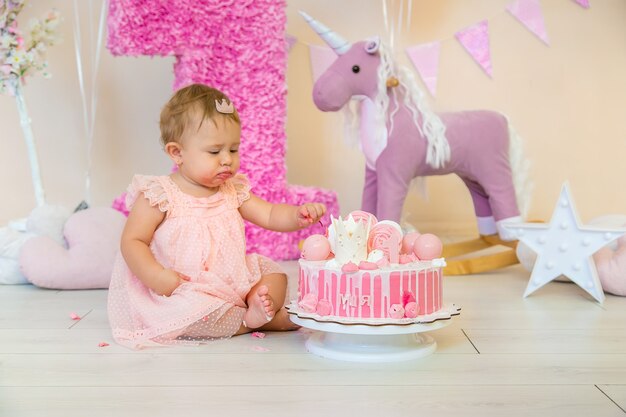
{"x":372,"y":294}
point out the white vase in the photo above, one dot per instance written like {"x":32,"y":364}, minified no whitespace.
{"x":30,"y":144}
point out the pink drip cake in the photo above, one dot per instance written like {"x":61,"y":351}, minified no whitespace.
{"x":368,"y":272}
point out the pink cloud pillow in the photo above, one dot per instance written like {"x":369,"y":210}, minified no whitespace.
{"x":93,"y":238}
{"x":611,"y":266}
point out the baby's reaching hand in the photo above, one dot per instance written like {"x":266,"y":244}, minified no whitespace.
{"x":309,"y":213}
{"x":167,"y":281}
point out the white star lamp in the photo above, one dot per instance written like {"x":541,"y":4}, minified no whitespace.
{"x":564,"y":247}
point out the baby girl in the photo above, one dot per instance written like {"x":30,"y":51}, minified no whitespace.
{"x":182,"y":275}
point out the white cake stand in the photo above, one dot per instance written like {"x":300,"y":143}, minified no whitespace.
{"x":363,"y":343}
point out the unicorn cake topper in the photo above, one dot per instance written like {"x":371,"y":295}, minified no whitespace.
{"x":224,"y":107}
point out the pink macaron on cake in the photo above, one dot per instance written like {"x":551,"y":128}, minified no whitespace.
{"x":365,"y":271}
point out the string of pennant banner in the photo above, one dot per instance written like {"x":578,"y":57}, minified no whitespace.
{"x":474,"y":39}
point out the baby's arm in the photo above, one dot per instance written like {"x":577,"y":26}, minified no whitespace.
{"x":281,"y":217}
{"x":135,"y":246}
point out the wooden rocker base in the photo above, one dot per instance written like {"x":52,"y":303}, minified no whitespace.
{"x":478,"y":264}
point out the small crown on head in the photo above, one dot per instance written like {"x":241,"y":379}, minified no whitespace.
{"x":224,"y":107}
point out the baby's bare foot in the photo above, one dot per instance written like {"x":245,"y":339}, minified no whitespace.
{"x":281,"y":322}
{"x":260,"y":308}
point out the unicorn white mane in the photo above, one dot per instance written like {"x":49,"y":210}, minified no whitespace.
{"x":413,"y":98}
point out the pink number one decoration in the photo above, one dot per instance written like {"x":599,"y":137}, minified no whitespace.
{"x":240,"y":49}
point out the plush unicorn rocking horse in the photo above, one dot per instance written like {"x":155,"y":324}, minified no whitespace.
{"x":402,"y":140}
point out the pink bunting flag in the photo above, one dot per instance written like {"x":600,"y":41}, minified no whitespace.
{"x":475,"y":40}
{"x":321,"y":58}
{"x":425,"y":57}
{"x":528,"y":12}
{"x":583,"y":3}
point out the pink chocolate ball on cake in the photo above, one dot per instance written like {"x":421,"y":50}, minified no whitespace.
{"x":396,"y":311}
{"x":427,"y":247}
{"x":407,"y":242}
{"x":411,"y":310}
{"x":315,"y":248}
{"x":324,"y":308}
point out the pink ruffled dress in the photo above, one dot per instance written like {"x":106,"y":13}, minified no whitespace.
{"x":202,"y":238}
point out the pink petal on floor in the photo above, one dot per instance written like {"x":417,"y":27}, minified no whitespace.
{"x":260,"y":349}
{"x":103,"y":344}
{"x":74,"y":316}
{"x":258,"y":335}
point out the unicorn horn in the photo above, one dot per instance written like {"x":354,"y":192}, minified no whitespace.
{"x":339,"y":45}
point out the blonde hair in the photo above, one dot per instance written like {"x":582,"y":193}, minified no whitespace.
{"x":178,"y":113}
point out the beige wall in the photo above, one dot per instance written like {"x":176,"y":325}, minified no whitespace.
{"x":568,"y":101}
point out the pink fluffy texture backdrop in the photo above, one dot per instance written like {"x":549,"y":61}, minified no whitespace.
{"x":238,"y":47}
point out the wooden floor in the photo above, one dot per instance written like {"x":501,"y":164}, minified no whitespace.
{"x":555,"y":353}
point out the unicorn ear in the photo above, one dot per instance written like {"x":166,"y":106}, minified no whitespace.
{"x":372,"y":45}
